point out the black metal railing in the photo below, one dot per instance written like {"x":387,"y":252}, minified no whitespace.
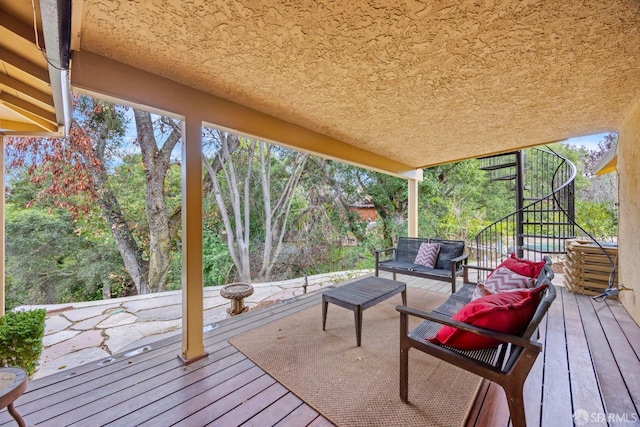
{"x":545,"y":216}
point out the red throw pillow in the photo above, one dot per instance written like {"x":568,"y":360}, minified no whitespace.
{"x":507,"y":312}
{"x":522,"y":266}
{"x":427,"y":254}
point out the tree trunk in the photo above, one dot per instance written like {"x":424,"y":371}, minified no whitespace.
{"x":276,"y":217}
{"x":156,"y":164}
{"x":131,"y":254}
{"x":238,"y":230}
{"x":111,"y":213}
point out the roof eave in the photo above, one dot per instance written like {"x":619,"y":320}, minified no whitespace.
{"x":607,"y":164}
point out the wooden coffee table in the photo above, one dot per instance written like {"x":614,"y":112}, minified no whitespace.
{"x":360,"y":295}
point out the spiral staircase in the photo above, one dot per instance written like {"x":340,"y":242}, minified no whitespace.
{"x":544,"y":214}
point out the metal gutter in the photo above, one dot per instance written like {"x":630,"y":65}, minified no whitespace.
{"x":56,"y":28}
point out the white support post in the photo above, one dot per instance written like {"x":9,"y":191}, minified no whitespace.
{"x":192,"y":282}
{"x":412,"y":219}
{"x":2,"y":266}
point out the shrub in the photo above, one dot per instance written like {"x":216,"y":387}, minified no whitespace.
{"x":21,"y":335}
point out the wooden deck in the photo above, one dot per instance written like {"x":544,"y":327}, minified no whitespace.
{"x":590,"y":363}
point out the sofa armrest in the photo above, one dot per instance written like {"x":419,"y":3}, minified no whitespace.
{"x":458,"y":262}
{"x":379,"y":252}
{"x":444,"y":320}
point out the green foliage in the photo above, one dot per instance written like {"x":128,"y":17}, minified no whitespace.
{"x":216,"y":260}
{"x":597,"y":219}
{"x":21,"y":335}
{"x":456,"y":201}
{"x":347,"y":258}
{"x":50,"y":261}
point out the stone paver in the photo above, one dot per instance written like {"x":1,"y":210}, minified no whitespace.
{"x":258,"y":295}
{"x":147,"y":302}
{"x":55,"y":338}
{"x":122,"y":336}
{"x":169,"y":312}
{"x":214,"y":316}
{"x":117,"y":319}
{"x":89,"y":323}
{"x":84,"y":339}
{"x":70,"y":361}
{"x":214,"y":301}
{"x":55,"y":323}
{"x":79,"y":314}
{"x":149,"y":340}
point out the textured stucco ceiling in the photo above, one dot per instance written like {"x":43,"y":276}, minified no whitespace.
{"x":418,"y":82}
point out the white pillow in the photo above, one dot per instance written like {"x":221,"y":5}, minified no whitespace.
{"x":502,"y":280}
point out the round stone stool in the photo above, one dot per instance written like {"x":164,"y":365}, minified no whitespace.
{"x":236,"y":292}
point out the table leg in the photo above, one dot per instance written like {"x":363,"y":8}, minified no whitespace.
{"x":357,"y":312}
{"x":404,"y":297}
{"x":325,"y":305}
{"x":15,"y":415}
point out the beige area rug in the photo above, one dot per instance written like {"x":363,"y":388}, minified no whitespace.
{"x":358,"y":386}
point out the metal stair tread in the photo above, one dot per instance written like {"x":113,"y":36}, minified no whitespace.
{"x":503,"y":178}
{"x":498,"y":167}
{"x":548,"y":223}
{"x":540,"y":236}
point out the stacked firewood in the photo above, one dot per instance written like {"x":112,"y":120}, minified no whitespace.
{"x":588,"y":269}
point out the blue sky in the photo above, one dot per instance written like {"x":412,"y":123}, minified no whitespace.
{"x":589,"y":141}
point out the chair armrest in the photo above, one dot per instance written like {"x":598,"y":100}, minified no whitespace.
{"x":444,"y":320}
{"x":468,"y":267}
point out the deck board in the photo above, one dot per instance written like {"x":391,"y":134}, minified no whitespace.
{"x":623,"y":353}
{"x":585,"y":392}
{"x":302,"y":416}
{"x":251,"y":406}
{"x":556,"y":389}
{"x":628,"y":326}
{"x":612,"y":386}
{"x":533,"y":384}
{"x":276,"y":412}
{"x":589,"y":361}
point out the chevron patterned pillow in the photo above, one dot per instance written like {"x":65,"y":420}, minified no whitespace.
{"x":501,"y":280}
{"x":427,"y":254}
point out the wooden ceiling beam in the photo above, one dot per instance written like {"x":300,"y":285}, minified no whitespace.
{"x":19,"y":28}
{"x":23,"y":65}
{"x":17,"y":103}
{"x":33,"y":118}
{"x":25,"y":89}
{"x":14,"y":126}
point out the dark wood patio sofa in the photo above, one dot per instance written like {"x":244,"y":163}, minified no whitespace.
{"x":400,"y":260}
{"x":508,"y":364}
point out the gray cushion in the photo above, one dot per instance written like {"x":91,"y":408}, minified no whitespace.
{"x":448,"y":251}
{"x":397,"y":264}
{"x":435,"y":271}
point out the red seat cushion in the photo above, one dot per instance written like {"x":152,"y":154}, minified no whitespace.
{"x":507,"y":312}
{"x":522,"y":266}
